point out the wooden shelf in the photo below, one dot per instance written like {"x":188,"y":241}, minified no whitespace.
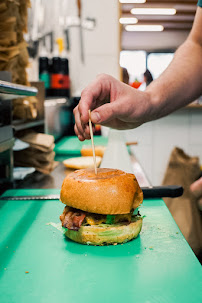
{"x":194,"y":106}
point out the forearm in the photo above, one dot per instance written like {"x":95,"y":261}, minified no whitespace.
{"x":180,"y":84}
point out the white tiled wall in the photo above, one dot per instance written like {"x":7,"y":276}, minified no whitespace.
{"x":96,"y":64}
{"x":157,"y":139}
{"x":101,"y":46}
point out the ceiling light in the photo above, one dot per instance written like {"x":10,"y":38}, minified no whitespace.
{"x":153,"y":11}
{"x":144,"y":28}
{"x":132,"y":1}
{"x":128,"y":20}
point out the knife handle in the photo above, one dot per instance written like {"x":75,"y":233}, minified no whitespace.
{"x":171,"y":191}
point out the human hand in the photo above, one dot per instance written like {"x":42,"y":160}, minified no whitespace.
{"x":196,"y":189}
{"x":113,"y":104}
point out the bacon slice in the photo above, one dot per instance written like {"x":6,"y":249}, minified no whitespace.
{"x":72,"y":218}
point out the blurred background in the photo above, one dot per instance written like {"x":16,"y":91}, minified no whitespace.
{"x":67,"y":43}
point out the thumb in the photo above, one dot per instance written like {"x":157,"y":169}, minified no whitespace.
{"x":104,"y":113}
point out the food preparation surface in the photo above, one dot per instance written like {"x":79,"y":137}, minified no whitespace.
{"x":38,"y":264}
{"x":71,"y":146}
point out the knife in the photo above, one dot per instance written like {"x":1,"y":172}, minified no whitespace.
{"x":167,"y":191}
{"x":171,"y":191}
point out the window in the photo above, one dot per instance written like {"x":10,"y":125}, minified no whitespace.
{"x":135,"y":63}
{"x":158,"y":62}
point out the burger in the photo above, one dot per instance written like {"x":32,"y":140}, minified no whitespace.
{"x":101,"y":208}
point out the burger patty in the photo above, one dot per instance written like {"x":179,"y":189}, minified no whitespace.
{"x":72,"y":218}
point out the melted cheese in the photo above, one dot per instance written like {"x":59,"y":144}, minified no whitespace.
{"x":118,"y":218}
{"x":91,"y":221}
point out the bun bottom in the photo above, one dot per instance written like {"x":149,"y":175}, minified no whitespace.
{"x":105,"y":235}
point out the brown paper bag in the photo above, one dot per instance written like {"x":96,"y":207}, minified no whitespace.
{"x":46,"y":168}
{"x":34,"y":156}
{"x":184,"y":170}
{"x":14,"y":56}
{"x":40,"y":154}
{"x":24,"y":109}
{"x":43,"y":142}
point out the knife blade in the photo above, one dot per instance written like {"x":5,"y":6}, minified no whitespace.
{"x":27,"y":198}
{"x":171,"y":191}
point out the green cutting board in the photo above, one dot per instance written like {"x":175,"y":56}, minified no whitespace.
{"x":157,"y":267}
{"x":71,"y":146}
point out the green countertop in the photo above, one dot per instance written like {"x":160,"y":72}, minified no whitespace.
{"x":71,"y":146}
{"x":157,"y":267}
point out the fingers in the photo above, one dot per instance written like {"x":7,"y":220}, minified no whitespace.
{"x":92,"y":95}
{"x":78,"y":127}
{"x":82,"y":131}
{"x":104,"y":113}
{"x":77,"y":117}
{"x":196,"y":188}
{"x":81,"y":138}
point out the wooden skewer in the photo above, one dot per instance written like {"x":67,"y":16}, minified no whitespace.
{"x":131,"y":143}
{"x":92,"y":141}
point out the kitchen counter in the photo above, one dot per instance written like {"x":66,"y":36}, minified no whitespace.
{"x":39,"y":264}
{"x":56,"y":177}
{"x":68,"y":147}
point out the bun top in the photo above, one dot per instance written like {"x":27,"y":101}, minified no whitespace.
{"x":111,"y":191}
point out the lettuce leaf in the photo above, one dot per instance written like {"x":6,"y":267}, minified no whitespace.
{"x":110,"y":219}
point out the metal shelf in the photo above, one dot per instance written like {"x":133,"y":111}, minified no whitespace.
{"x":10,"y":90}
{"x":20,"y":125}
